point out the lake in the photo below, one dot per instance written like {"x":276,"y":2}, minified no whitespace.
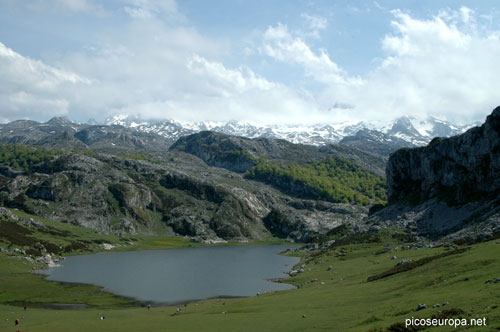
{"x":180,"y":275}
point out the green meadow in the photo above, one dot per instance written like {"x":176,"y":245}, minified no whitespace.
{"x":336,"y":299}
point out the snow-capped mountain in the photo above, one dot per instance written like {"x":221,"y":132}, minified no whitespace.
{"x":404,"y":131}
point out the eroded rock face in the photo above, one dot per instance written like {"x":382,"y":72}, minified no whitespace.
{"x":303,"y":220}
{"x":458,"y":170}
{"x":184,"y":196}
{"x":217,"y":150}
{"x":77,"y":189}
{"x":447,"y":189}
{"x":238,"y":154}
{"x":121,"y":181}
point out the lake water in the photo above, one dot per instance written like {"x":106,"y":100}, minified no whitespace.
{"x":180,"y":275}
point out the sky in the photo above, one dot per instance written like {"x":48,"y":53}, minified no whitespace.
{"x":260,"y":61}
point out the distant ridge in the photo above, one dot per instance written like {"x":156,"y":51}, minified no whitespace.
{"x":401,"y":132}
{"x":130,"y":132}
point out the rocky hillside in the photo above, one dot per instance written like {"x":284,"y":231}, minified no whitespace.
{"x":198,"y":188}
{"x":450,"y":185}
{"x":60,"y":133}
{"x":457,"y":169}
{"x":212,"y":186}
{"x":240,"y":153}
{"x":375,"y":142}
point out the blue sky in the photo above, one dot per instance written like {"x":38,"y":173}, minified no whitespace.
{"x":279,"y":61}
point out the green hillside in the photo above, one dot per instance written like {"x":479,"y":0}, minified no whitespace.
{"x":24,"y":157}
{"x":333,"y":179}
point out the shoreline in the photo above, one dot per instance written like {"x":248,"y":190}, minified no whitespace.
{"x":133,"y":302}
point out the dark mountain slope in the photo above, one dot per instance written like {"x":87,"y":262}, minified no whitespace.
{"x":451,"y":185}
{"x":239,"y":154}
{"x":458,"y":170}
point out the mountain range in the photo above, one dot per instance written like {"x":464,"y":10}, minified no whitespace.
{"x":126,"y":181}
{"x":402,"y":132}
{"x":171,"y":178}
{"x":128,"y":132}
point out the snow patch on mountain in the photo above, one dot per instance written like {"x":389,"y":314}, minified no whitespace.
{"x":411,"y":130}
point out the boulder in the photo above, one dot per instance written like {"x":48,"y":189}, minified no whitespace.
{"x":19,"y":251}
{"x":421,"y":306}
{"x":404,"y":261}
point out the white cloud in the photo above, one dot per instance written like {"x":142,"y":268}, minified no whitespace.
{"x":208,"y":90}
{"x":74,"y":5}
{"x":315,"y":24}
{"x":221,"y":94}
{"x":439,"y":66}
{"x":244,"y":95}
{"x":279,"y":43}
{"x":145,"y":9}
{"x":69,"y":6}
{"x":137,"y":12}
{"x":228,"y":81}
{"x":422,"y":38}
{"x":158,"y":71}
{"x":144,"y":65}
{"x":137,"y":9}
{"x":445,"y":66}
{"x":378,"y":6}
{"x":466,"y":14}
{"x":18,"y":68}
{"x":30,"y":88}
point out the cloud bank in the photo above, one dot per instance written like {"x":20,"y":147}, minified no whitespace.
{"x":32,"y":89}
{"x":443,"y":67}
{"x":159,"y":66}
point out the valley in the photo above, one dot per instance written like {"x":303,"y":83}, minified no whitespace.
{"x":332,"y":291}
{"x":61,"y":198}
{"x":198,"y":165}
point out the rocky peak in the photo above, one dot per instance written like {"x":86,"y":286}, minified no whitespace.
{"x":403,"y":126}
{"x":493,"y":121}
{"x":375,"y":142}
{"x":457,"y":169}
{"x":60,"y":121}
{"x":406,"y":129}
{"x":496,"y":111}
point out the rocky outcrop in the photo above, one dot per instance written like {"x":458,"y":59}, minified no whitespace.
{"x":218,"y":150}
{"x":61,"y":133}
{"x":238,"y":154}
{"x":115,"y":179}
{"x":304,"y":220}
{"x":449,"y":188}
{"x":218,"y":210}
{"x":65,"y":140}
{"x":117,"y":138}
{"x":181,"y":195}
{"x":457,"y":170}
{"x":76,"y":188}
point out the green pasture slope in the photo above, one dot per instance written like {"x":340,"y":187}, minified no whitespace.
{"x":340,"y":299}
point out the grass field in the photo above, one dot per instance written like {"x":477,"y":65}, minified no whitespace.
{"x":341,"y":299}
